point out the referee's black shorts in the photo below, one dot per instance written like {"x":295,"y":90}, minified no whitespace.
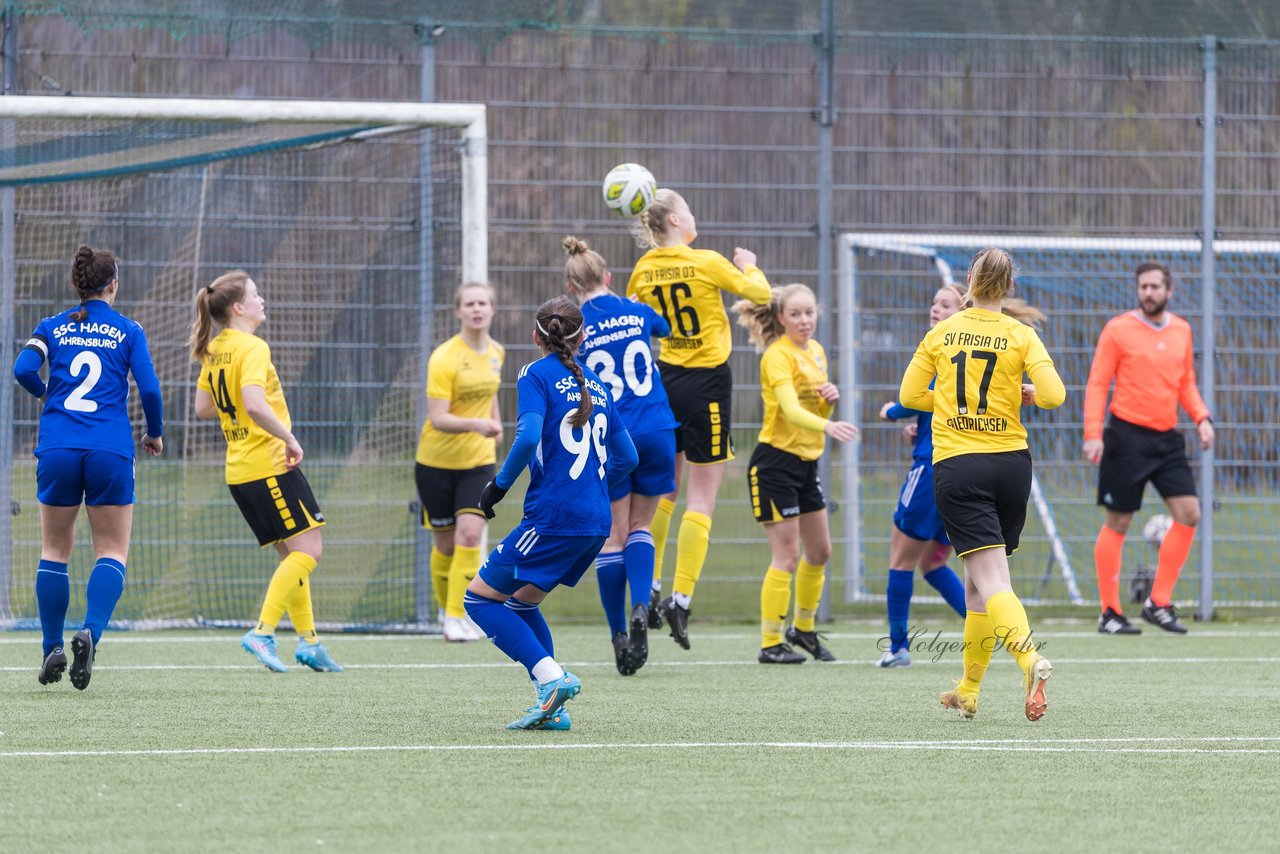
{"x":982,"y":499}
{"x":1133,"y":455}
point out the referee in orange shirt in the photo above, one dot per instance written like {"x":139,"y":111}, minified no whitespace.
{"x":1148,"y":354}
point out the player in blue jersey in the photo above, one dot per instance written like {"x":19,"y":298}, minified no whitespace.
{"x":918,"y":538}
{"x":86,"y":452}
{"x":569,"y":436}
{"x":616,"y":346}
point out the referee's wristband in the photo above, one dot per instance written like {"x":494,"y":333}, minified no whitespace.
{"x":1202,"y":420}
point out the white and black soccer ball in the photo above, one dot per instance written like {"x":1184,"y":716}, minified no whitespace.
{"x":629,"y":188}
{"x":1155,"y":529}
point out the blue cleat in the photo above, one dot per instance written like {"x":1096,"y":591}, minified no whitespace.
{"x":315,"y":656}
{"x":551,"y":696}
{"x":263,"y":648}
{"x":558,"y":721}
{"x":901,"y":658}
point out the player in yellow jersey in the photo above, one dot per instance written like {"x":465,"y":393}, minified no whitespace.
{"x":239,"y":385}
{"x":981,"y":464}
{"x":786,"y":493}
{"x":457,"y":450}
{"x":684,"y":285}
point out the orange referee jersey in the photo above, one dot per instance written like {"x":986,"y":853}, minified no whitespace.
{"x":1153,"y":373}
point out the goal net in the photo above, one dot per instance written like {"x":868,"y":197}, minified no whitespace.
{"x":887,"y":282}
{"x":356,"y":219}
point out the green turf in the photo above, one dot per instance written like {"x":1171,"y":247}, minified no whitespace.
{"x":1150,"y":743}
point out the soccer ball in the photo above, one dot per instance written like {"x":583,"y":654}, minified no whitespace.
{"x":629,"y":188}
{"x":1155,"y":529}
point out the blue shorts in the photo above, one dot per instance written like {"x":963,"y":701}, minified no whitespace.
{"x":917,"y":512}
{"x":655,"y":474}
{"x":525,"y":557}
{"x":65,"y":476}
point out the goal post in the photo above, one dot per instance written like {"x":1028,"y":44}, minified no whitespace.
{"x":886,"y":281}
{"x":355,"y":226}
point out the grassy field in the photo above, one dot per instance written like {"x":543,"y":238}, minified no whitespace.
{"x":181,"y":743}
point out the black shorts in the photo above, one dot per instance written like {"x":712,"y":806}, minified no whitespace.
{"x":278,"y":507}
{"x":782,"y":485}
{"x":1133,"y":455}
{"x":982,"y":499}
{"x":444,"y":493}
{"x":700,"y":401}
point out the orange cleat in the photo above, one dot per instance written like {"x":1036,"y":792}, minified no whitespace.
{"x":1037,"y":674}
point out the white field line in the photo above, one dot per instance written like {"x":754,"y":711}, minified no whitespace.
{"x":582,"y":665}
{"x":1065,"y":745}
{"x":340,"y":638}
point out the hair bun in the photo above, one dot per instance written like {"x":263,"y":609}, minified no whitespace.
{"x":574,"y":245}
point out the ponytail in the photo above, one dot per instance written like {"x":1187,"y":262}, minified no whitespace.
{"x":559,"y":323}
{"x":92,"y":271}
{"x":761,"y":321}
{"x":213,"y":303}
{"x":651,"y":225}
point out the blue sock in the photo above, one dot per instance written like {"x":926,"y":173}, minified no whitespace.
{"x":106,"y":583}
{"x":951,"y":587}
{"x":638,"y":557}
{"x":53,"y":593}
{"x":506,"y":629}
{"x":611,"y":574}
{"x":532,"y":616}
{"x":898,"y":606}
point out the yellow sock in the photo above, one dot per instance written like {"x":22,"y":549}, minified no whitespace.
{"x":691,"y":550}
{"x":660,"y":527}
{"x":978,"y":644}
{"x":440,"y":563}
{"x":301,"y":613}
{"x":291,"y":574}
{"x":466,"y":563}
{"x":809,"y":582}
{"x":1012,"y":630}
{"x":775,"y":598}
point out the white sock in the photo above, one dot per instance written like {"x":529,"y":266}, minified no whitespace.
{"x":657,"y":584}
{"x":547,"y":670}
{"x":681,"y":599}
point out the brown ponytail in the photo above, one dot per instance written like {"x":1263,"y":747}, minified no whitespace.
{"x":585,"y":270}
{"x":559,"y":326}
{"x":92,"y":270}
{"x":213,"y":303}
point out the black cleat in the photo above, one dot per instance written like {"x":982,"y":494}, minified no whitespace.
{"x":1163,"y":616}
{"x":810,"y":642}
{"x":639,"y":636}
{"x":677,"y":619}
{"x":82,"y":664}
{"x":622,"y":654}
{"x":1111,"y":623}
{"x":655,"y":609}
{"x":54,"y":664}
{"x":779,"y":653}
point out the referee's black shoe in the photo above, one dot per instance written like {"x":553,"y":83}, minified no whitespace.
{"x":677,"y":619}
{"x":82,"y":648}
{"x":779,"y":653}
{"x":1163,"y":616}
{"x":54,"y":664}
{"x":1111,"y":623}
